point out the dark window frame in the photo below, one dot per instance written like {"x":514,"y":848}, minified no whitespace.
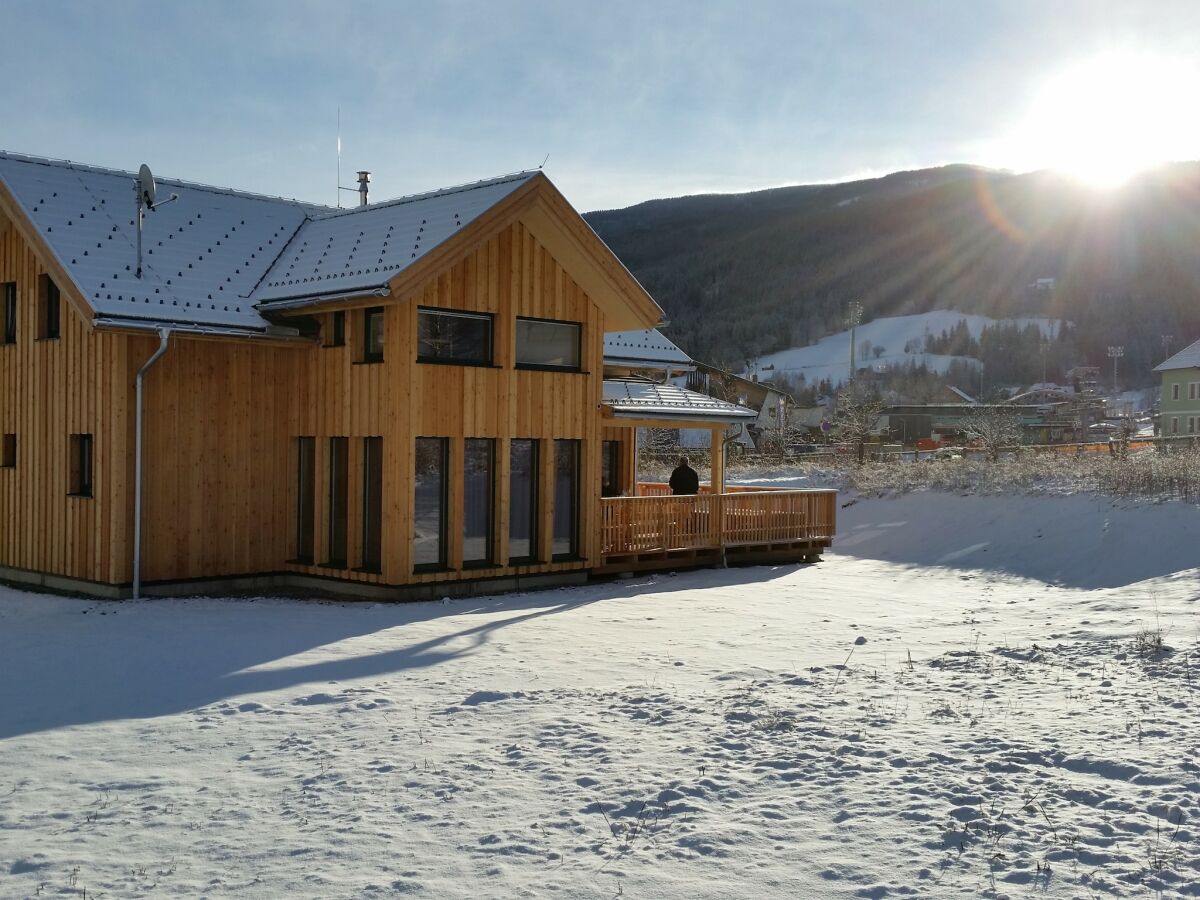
{"x":8,"y":450}
{"x":305,"y":535}
{"x":535,"y":503}
{"x":489,"y":561}
{"x":371,"y":552}
{"x":370,"y":356}
{"x":487,"y":361}
{"x":9,"y":336}
{"x":337,"y":512}
{"x":610,"y":449}
{"x":49,"y":309}
{"x":82,"y":449}
{"x":336,"y":334}
{"x":535,"y":367}
{"x":443,"y":562}
{"x":572,"y":555}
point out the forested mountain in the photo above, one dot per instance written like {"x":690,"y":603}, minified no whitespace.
{"x":746,"y":274}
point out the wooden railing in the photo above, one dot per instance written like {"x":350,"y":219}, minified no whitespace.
{"x":657,"y":524}
{"x":662,"y":489}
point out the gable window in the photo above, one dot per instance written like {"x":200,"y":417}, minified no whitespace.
{"x":81,"y":465}
{"x":448,"y":336}
{"x":306,"y":489}
{"x":48,"y":309}
{"x":429,"y":525}
{"x":479,"y":480}
{"x":1175,"y":391}
{"x":372,"y":505}
{"x":339,"y":477}
{"x":8,"y":451}
{"x":546,"y":344}
{"x":566,"y":500}
{"x":9,"y":311}
{"x":523,"y":500}
{"x":334,"y":332}
{"x":372,"y":332}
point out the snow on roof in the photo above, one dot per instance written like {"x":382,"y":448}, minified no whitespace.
{"x":216,"y":257}
{"x":364,"y":248}
{"x":1187,"y":358}
{"x":647,"y":400}
{"x":963,"y":394}
{"x":643,"y":347}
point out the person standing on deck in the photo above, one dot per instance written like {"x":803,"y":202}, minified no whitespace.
{"x":684,"y":479}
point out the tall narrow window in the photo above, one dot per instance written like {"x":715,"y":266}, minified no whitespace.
{"x":429,"y":526}
{"x":479,"y":479}
{"x":610,"y":469}
{"x":566,"y":499}
{"x":334,"y":332}
{"x":10,"y":311}
{"x":1175,"y":391}
{"x":339,"y":476}
{"x":373,"y":334}
{"x":523,"y":501}
{"x":447,"y":336}
{"x":81,"y":465}
{"x":372,"y":505}
{"x":8,"y":451}
{"x":306,"y":491}
{"x":545,"y":344}
{"x":48,"y":309}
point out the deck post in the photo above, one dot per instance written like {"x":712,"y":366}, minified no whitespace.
{"x":717,"y":480}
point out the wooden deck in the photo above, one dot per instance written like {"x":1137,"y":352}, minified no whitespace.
{"x":658,"y":531}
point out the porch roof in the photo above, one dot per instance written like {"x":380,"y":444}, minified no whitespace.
{"x":631,"y":399}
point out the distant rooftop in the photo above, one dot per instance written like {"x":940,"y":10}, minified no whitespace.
{"x":1187,"y":358}
{"x":648,"y":348}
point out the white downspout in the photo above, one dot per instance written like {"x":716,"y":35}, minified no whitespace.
{"x":163,"y":335}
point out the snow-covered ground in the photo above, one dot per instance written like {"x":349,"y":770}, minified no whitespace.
{"x":829,"y":357}
{"x":963,"y":700}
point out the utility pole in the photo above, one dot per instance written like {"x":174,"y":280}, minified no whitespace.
{"x":1115,"y":353}
{"x":853,"y":317}
{"x":1045,"y":350}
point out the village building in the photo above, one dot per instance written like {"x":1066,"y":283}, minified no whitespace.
{"x":406,"y":398}
{"x":1179,"y":403}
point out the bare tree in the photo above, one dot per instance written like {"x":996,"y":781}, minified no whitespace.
{"x":993,"y":427}
{"x":857,"y":411}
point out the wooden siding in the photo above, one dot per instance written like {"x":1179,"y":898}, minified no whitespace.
{"x":50,"y":390}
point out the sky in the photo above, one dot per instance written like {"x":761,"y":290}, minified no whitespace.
{"x":625,"y":101}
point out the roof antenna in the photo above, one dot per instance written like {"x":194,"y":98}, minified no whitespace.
{"x":146,"y":192}
{"x":339,"y":156}
{"x":543,"y":165}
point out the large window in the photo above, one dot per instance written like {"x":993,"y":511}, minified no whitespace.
{"x":372,"y":332}
{"x":9,"y":311}
{"x":429,"y":526}
{"x":8,"y":451}
{"x":48,"y":309}
{"x":523,"y":500}
{"x":306,"y":486}
{"x":445,"y":336}
{"x":479,"y":479}
{"x":610,"y":469}
{"x":566,"y":499}
{"x":81,"y":465}
{"x":544,"y":344}
{"x":372,"y":505}
{"x":339,"y":476}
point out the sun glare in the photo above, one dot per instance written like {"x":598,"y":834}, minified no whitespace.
{"x":1105,"y":119}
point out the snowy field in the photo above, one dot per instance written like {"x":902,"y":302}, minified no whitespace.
{"x":829,"y":357}
{"x":966,"y":699}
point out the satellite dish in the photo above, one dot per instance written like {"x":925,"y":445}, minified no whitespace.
{"x":146,"y":190}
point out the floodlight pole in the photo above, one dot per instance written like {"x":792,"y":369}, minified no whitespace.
{"x":853,"y":317}
{"x":1115,"y":353}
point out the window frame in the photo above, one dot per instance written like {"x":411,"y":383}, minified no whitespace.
{"x":573,"y":554}
{"x":371,"y":549}
{"x":8,"y":450}
{"x":489,"y":559}
{"x":443,"y":562}
{"x":610,"y":453}
{"x":81,"y":477}
{"x":336,"y":334}
{"x":1175,"y":391}
{"x":536,"y":367}
{"x":535,"y":503}
{"x":369,"y":356}
{"x":49,"y":309}
{"x":337,"y":506}
{"x":488,"y":362}
{"x":8,"y":312}
{"x":305,"y":522}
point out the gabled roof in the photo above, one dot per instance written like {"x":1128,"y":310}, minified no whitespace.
{"x":645,"y":348}
{"x":634,"y":399}
{"x":1187,"y":358}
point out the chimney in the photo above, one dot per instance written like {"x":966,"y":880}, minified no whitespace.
{"x":364,"y":179}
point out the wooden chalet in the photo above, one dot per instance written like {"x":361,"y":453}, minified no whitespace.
{"x":406,"y":398}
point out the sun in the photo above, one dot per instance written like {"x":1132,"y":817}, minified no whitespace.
{"x":1106,"y":118}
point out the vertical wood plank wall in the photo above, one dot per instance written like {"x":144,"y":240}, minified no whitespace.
{"x":49,"y":390}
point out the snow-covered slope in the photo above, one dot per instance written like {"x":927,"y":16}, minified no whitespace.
{"x":830,"y":357}
{"x":955,"y":711}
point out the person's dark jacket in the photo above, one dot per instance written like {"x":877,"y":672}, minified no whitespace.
{"x":684,"y":480}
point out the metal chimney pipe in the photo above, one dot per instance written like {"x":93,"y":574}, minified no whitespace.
{"x":364,"y":179}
